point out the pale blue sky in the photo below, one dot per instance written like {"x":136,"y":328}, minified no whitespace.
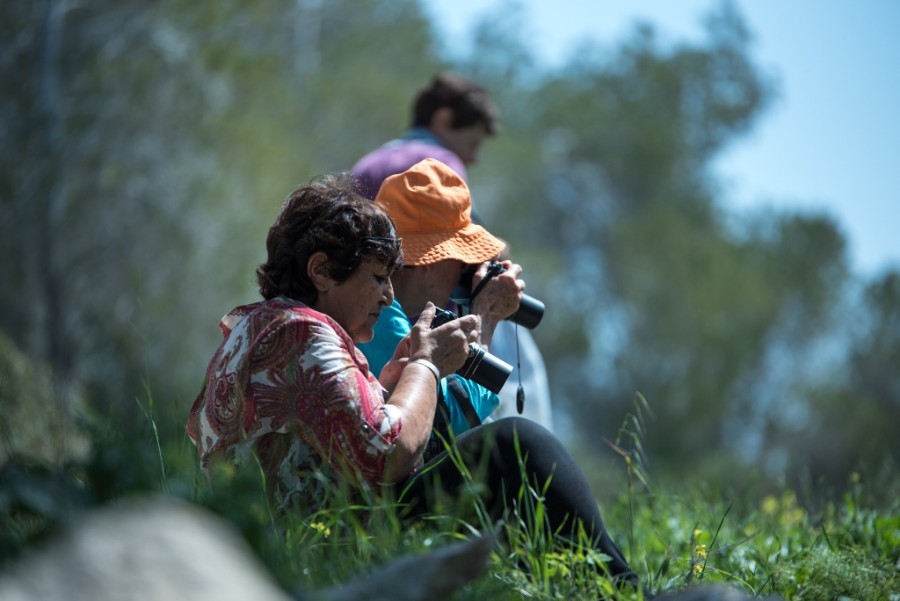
{"x":831,"y":139}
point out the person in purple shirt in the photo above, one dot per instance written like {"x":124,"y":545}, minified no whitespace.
{"x":452,"y":117}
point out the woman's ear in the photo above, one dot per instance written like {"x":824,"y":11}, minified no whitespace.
{"x":317,"y":271}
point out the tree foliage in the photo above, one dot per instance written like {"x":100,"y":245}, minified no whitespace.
{"x":726,"y":322}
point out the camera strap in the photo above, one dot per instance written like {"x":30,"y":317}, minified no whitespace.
{"x":520,"y":391}
{"x":440,"y":429}
{"x":494,"y":269}
{"x":464,"y":402}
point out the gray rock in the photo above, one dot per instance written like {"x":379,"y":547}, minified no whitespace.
{"x":162,"y":549}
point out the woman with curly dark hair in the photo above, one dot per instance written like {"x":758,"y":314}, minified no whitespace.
{"x":289,"y":364}
{"x":289,"y":385}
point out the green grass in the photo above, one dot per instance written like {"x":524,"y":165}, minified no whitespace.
{"x":675,"y":535}
{"x":681,"y":537}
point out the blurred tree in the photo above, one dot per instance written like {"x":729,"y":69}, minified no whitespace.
{"x":146,"y":150}
{"x":875,"y":356}
{"x":853,"y":413}
{"x":652,"y":285}
{"x":101,"y":198}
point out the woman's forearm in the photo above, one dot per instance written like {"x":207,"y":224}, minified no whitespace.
{"x":415,"y":396}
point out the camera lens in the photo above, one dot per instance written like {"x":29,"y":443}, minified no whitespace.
{"x":485,"y":369}
{"x":529,"y":313}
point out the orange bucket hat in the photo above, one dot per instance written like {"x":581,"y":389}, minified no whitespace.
{"x":432,"y":210}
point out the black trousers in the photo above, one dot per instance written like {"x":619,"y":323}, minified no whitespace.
{"x":491,"y":454}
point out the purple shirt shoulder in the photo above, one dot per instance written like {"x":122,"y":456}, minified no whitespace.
{"x":396,"y":157}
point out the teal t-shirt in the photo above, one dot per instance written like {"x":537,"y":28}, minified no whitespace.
{"x":391,"y":327}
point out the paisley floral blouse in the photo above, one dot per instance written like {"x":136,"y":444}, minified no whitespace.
{"x":288,"y":385}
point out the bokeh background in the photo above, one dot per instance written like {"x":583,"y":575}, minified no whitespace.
{"x":146,"y":147}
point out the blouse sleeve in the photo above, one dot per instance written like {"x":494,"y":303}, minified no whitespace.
{"x":333,"y":401}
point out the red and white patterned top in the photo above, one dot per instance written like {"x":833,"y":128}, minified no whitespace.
{"x":289,"y":385}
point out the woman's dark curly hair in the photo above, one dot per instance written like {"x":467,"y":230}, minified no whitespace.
{"x":326,"y":215}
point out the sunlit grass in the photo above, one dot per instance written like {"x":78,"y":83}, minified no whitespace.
{"x":682,"y":538}
{"x":675,"y":535}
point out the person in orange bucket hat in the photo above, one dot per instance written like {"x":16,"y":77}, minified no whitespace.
{"x":431,"y":209}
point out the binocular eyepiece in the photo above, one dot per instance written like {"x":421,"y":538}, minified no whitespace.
{"x":529,"y":313}
{"x":481,"y":367}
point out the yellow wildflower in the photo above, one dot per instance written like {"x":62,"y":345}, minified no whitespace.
{"x":700,"y":551}
{"x":321,"y":528}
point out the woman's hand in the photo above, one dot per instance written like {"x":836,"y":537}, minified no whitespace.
{"x":446,"y":346}
{"x":441,"y":346}
{"x":499,"y":298}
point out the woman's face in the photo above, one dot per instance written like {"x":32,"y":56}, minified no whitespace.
{"x":356,"y":302}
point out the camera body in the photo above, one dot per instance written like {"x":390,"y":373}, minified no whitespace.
{"x":481,"y":367}
{"x":529,"y":313}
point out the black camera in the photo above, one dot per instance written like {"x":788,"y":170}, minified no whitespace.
{"x":481,"y":367}
{"x":529,"y":313}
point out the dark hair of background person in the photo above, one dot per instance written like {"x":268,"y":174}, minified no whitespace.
{"x":326,"y":215}
{"x":468,"y":100}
